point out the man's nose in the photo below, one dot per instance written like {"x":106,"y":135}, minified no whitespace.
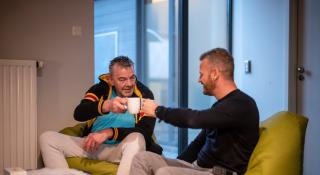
{"x":129,"y":82}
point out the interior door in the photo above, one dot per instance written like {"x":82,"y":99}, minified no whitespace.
{"x":308,"y":83}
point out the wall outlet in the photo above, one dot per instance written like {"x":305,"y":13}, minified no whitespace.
{"x":76,"y":30}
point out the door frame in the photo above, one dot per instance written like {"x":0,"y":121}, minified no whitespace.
{"x":293,"y":54}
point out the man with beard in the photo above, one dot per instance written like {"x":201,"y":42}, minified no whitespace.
{"x":230,"y":128}
{"x":111,"y":132}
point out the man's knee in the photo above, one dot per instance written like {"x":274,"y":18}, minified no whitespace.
{"x":48,"y":137}
{"x":135,"y":136}
{"x":135,"y":140}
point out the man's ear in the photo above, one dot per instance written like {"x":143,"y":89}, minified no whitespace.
{"x":214,"y":74}
{"x":111,"y":81}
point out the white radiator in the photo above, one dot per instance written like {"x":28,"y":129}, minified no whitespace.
{"x":18,"y":114}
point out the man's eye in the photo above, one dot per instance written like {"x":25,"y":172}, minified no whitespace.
{"x":122,"y":79}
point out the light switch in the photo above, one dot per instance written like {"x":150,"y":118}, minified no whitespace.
{"x":247,"y":66}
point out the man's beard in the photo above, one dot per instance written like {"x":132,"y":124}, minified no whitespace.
{"x":127,"y":91}
{"x":205,"y":91}
{"x":207,"y":88}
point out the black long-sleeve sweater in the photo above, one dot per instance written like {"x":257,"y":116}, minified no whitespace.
{"x":230,"y":131}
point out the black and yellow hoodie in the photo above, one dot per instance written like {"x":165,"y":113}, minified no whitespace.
{"x":90,"y":107}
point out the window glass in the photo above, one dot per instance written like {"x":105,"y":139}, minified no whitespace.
{"x":160,"y":67}
{"x":207,"y":30}
{"x":114,"y":32}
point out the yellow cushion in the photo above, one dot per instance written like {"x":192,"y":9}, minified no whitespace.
{"x":280,"y":146}
{"x":94,"y":167}
{"x":76,"y":130}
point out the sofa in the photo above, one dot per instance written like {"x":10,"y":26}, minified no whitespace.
{"x":279,"y":150}
{"x":280,"y":147}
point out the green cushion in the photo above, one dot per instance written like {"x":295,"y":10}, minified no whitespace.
{"x":94,"y":167}
{"x":280,"y":146}
{"x":76,"y":130}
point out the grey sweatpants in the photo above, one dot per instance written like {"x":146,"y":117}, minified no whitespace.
{"x":148,"y":163}
{"x":55,"y":147}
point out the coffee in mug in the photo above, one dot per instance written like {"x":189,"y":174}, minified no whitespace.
{"x":134,"y":105}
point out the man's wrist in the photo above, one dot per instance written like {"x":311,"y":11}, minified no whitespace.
{"x":157,"y":111}
{"x":108,"y":133}
{"x":106,"y":106}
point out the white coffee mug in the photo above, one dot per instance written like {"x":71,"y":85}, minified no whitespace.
{"x":134,"y":105}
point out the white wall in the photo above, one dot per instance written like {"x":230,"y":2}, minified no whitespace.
{"x":42,"y":30}
{"x":260,"y":34}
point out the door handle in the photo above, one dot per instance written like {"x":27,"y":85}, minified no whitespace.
{"x":300,"y":70}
